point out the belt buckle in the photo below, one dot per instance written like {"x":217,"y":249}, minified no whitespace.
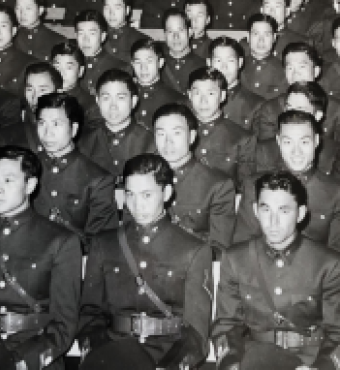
{"x":140,"y":327}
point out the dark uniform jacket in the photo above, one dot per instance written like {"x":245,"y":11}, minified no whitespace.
{"x":301,"y":20}
{"x":176,"y":72}
{"x":96,"y":66}
{"x":323,"y":221}
{"x":241,"y":106}
{"x":79,"y":190}
{"x":45,"y":258}
{"x":303,"y":283}
{"x":10,"y":108}
{"x":74,"y":7}
{"x":13,"y":63}
{"x":153,"y":97}
{"x":38,"y":41}
{"x":224,"y":145}
{"x":205,"y":207}
{"x":85,"y":99}
{"x":330,"y":79}
{"x":264,"y":77}
{"x":200,"y":46}
{"x":176,"y":266}
{"x":119,"y":41}
{"x":111,"y":150}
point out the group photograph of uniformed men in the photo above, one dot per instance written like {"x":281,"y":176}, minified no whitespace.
{"x":169,"y":185}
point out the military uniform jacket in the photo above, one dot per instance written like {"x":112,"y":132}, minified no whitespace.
{"x":153,"y":97}
{"x":200,"y":46}
{"x":45,"y":258}
{"x":96,"y":66}
{"x":205,"y":207}
{"x":10,"y":108}
{"x":176,"y":72}
{"x":176,"y":266}
{"x":81,"y":190}
{"x":323,"y":221}
{"x":301,"y":20}
{"x":303,"y":283}
{"x":241,"y":106}
{"x":119,"y":41}
{"x":225,"y":146}
{"x":330,"y":79}
{"x":74,"y":7}
{"x":38,"y":41}
{"x":111,"y":150}
{"x":13,"y":63}
{"x":85,"y":99}
{"x":264,"y":77}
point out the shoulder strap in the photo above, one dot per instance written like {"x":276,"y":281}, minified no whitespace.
{"x":142,"y":284}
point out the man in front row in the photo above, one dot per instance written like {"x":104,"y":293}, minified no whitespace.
{"x":121,"y":326}
{"x":280,"y":288}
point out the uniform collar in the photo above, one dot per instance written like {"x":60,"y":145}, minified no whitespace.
{"x":263,"y":61}
{"x":149,"y":88}
{"x":304,"y":177}
{"x":181,"y":172}
{"x":117,"y":31}
{"x":35,"y":29}
{"x":7,"y":51}
{"x":58,"y":163}
{"x":212,"y":123}
{"x":10,"y":224}
{"x":95,"y":58}
{"x":234,"y":90}
{"x":119,"y":134}
{"x":200,"y":40}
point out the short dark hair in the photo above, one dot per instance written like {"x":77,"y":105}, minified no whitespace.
{"x":297,"y":117}
{"x":126,"y":2}
{"x":144,"y":164}
{"x":205,"y":74}
{"x":91,"y":15}
{"x":10,"y":13}
{"x":73,"y":109}
{"x":68,"y":48}
{"x":313,"y":91}
{"x":335,"y":25}
{"x":117,"y":75}
{"x":44,"y":67}
{"x":178,"y":109}
{"x":302,"y":47}
{"x":206,"y":3}
{"x":225,"y":41}
{"x":147,"y":44}
{"x":30,"y":163}
{"x":259,"y":17}
{"x":287,"y":2}
{"x":175,"y":12}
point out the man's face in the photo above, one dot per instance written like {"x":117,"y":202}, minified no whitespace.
{"x":206,"y":98}
{"x":261,"y":40}
{"x":278,"y":214}
{"x":115,"y":12}
{"x":276,"y":9}
{"x":146,"y":66}
{"x":336,"y":41}
{"x":297,"y":144}
{"x":299,"y":68}
{"x":299,"y":101}
{"x":226,"y":61}
{"x":144,"y":198}
{"x":173,"y":138}
{"x":7,"y":31}
{"x":38,"y":84}
{"x":14,"y":188}
{"x":69,"y":69}
{"x":176,"y":35}
{"x":115,"y":102}
{"x":89,"y":37}
{"x":27,"y":12}
{"x":55,"y":130}
{"x":199,"y":18}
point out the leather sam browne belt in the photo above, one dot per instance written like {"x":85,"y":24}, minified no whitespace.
{"x":11,"y":322}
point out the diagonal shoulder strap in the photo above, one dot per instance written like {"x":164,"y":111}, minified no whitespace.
{"x":142,"y":284}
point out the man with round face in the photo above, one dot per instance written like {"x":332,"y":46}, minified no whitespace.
{"x":171,"y":260}
{"x":205,"y":207}
{"x":277,"y":274}
{"x":43,"y":273}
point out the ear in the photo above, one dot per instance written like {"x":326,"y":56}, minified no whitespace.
{"x":261,"y":10}
{"x":278,"y":139}
{"x":255,"y":210}
{"x":167,"y":192}
{"x":97,"y":99}
{"x":302,"y":213}
{"x":317,"y":140}
{"x":189,"y":94}
{"x":208,"y":61}
{"x":14,"y":31}
{"x":207,"y":20}
{"x":190,"y":32}
{"x":317,"y":71}
{"x":193,"y":135}
{"x":287,"y":12}
{"x":31,"y":184}
{"x":41,"y":10}
{"x":318,"y":115}
{"x":81,"y":71}
{"x":75,"y":128}
{"x":333,"y":43}
{"x":103,"y":37}
{"x":128,"y":10}
{"x":240,"y":63}
{"x":161,"y":63}
{"x":223,"y":96}
{"x":134,"y":101}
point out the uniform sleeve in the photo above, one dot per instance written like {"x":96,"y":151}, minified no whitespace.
{"x":246,"y":159}
{"x":334,"y":231}
{"x":58,"y":335}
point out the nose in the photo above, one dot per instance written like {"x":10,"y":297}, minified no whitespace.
{"x":274,"y":219}
{"x":297,"y":150}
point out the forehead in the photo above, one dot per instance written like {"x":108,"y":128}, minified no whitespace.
{"x":274,"y":2}
{"x":114,"y":2}
{"x":205,"y":85}
{"x":65,"y":58}
{"x":276,"y":198}
{"x":144,"y":54}
{"x":88,"y":25}
{"x":224,"y":52}
{"x":297,"y":130}
{"x":114,"y":88}
{"x":51,"y":114}
{"x":171,"y":122}
{"x":25,"y":2}
{"x":175,"y":22}
{"x":261,"y":27}
{"x":196,"y":8}
{"x":4,"y":18}
{"x":298,"y":57}
{"x":11,"y":166}
{"x":42,"y":78}
{"x":141,"y":182}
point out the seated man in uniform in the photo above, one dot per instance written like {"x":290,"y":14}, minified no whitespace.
{"x":222,"y":144}
{"x":163,"y":321}
{"x":73,"y":190}
{"x":180,"y":60}
{"x":226,"y":55}
{"x":199,"y":14}
{"x":147,"y":61}
{"x":91,"y":32}
{"x":40,"y":273}
{"x":262,"y":72}
{"x":298,"y":139}
{"x":120,"y":35}
{"x":117,"y":136}
{"x":204,"y":203}
{"x":281,"y":287}
{"x":33,"y":37}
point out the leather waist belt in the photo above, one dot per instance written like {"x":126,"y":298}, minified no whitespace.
{"x":14,"y":322}
{"x":144,"y":326}
{"x":288,"y":339}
